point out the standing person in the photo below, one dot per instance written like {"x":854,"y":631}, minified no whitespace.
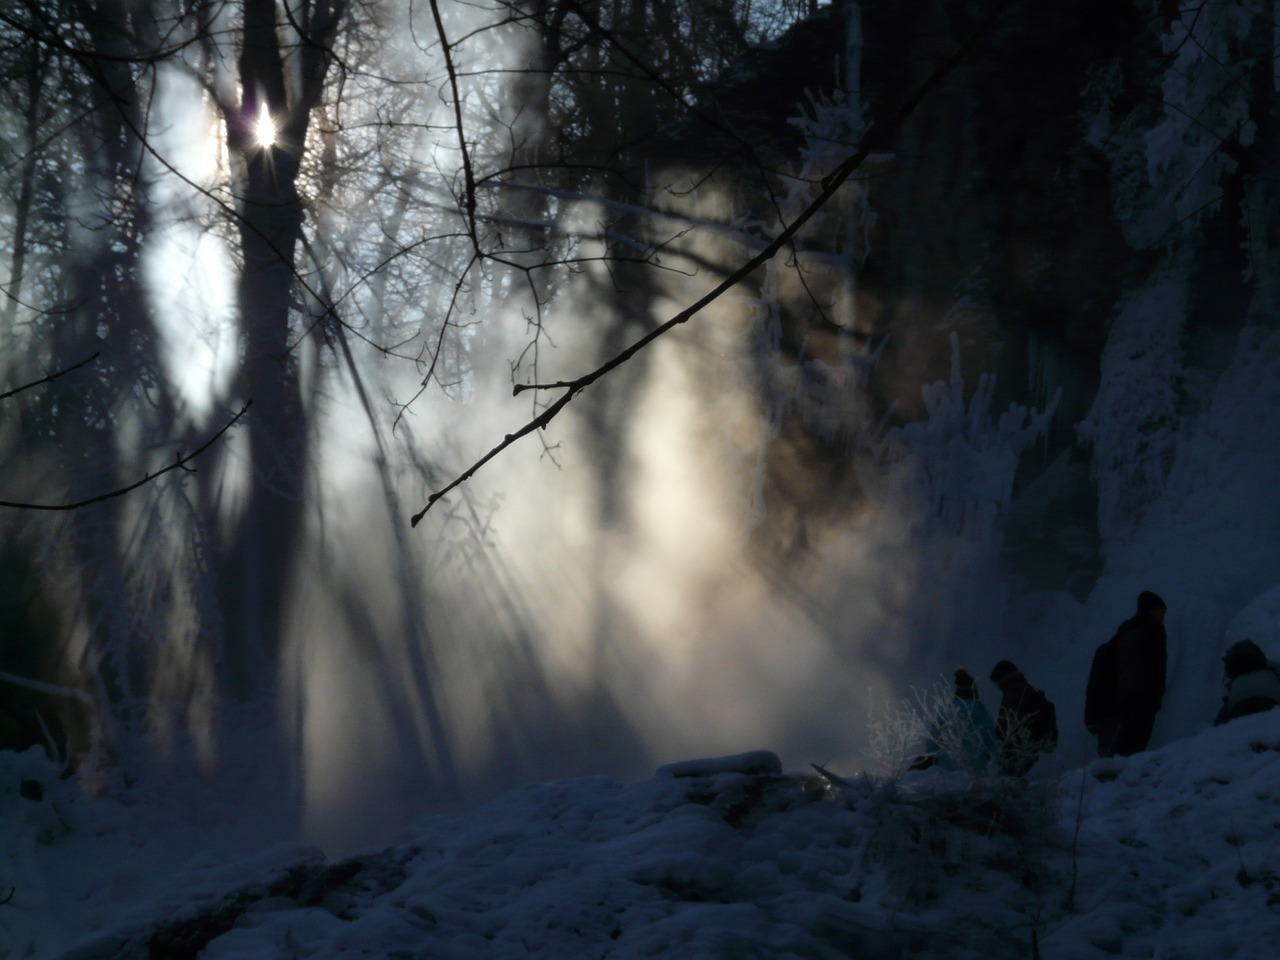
{"x":1027,"y":723}
{"x":1127,"y":681}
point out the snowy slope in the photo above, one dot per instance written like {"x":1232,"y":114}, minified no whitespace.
{"x":1173,"y":853}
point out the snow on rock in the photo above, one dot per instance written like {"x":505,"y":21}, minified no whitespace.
{"x":76,"y":863}
{"x":1172,"y":854}
{"x":754,"y":761}
{"x":1132,"y":426}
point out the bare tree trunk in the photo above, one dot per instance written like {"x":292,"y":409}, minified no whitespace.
{"x":109,"y":314}
{"x":22,"y":207}
{"x":261,"y":562}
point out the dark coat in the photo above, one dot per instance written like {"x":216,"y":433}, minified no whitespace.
{"x":1141,"y":662}
{"x":1127,"y":676}
{"x":1100,"y":704}
{"x":1027,"y":725}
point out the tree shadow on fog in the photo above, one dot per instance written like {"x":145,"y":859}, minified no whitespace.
{"x":443,"y":696}
{"x":541,"y":733}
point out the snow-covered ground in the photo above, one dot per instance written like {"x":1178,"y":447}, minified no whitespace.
{"x":1173,"y":853}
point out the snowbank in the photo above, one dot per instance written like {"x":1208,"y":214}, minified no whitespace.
{"x":1172,"y":853}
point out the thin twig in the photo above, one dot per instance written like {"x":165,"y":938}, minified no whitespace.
{"x":469,"y":199}
{"x":179,"y":462}
{"x":1075,"y":841}
{"x":51,"y":377}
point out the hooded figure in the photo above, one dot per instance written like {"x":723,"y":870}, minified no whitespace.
{"x":1252,"y":683}
{"x":1127,"y":680}
{"x":1027,"y":724}
{"x":963,"y":735}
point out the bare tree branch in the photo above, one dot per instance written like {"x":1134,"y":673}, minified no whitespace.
{"x":51,"y":377}
{"x":53,"y":689}
{"x":830,"y":184}
{"x":180,"y":462}
{"x":469,"y":197}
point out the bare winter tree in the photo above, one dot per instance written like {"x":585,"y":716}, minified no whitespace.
{"x":341,"y":213}
{"x":101,"y":84}
{"x":373,"y":178}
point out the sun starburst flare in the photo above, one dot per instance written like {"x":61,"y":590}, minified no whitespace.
{"x":264,"y":130}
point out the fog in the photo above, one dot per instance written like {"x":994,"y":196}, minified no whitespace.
{"x":721,"y":546}
{"x":553,"y":644}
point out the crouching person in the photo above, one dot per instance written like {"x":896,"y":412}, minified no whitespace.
{"x":962,"y":736}
{"x":1027,"y":724}
{"x":1253,"y":684}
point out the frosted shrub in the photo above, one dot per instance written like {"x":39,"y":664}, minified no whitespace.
{"x":931,"y":726}
{"x":948,"y":481}
{"x":930,"y":722}
{"x":960,"y":816}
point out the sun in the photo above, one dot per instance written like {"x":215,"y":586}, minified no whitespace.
{"x":264,"y":130}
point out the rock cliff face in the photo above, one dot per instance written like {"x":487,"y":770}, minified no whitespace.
{"x":1082,"y":205}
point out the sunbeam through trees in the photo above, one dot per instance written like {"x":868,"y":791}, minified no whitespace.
{"x":798,"y":343}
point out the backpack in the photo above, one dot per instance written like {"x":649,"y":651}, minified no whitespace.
{"x":1044,"y":723}
{"x":1100,"y":693}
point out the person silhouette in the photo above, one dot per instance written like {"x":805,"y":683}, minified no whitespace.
{"x":1127,"y":681}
